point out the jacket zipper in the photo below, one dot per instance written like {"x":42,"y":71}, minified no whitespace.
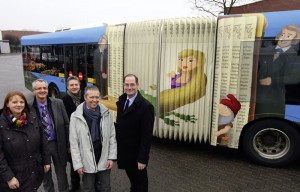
{"x":91,"y":143}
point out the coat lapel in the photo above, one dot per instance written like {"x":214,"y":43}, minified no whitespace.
{"x":122,"y":101}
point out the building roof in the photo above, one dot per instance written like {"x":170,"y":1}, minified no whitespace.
{"x":266,"y":6}
{"x":18,"y":34}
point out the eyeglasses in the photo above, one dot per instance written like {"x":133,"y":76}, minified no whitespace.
{"x":41,"y":88}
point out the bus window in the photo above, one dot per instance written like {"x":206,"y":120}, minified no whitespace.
{"x":69,"y":60}
{"x":31,"y":54}
{"x":100,"y":60}
{"x":278,"y":78}
{"x":49,"y":57}
{"x":80,"y":65}
{"x":90,"y":63}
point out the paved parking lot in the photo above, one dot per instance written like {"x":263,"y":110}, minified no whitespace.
{"x":185,"y":167}
{"x":176,"y":166}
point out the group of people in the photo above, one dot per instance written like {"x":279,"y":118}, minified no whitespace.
{"x":79,"y":129}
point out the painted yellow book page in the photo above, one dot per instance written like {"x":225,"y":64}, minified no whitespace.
{"x":115,"y":36}
{"x":233,"y":77}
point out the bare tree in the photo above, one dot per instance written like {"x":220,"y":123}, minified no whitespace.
{"x":217,"y":7}
{"x":14,"y":42}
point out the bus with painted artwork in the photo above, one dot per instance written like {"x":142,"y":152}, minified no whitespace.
{"x":231,"y":81}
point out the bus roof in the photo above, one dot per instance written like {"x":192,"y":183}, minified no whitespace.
{"x":87,"y":35}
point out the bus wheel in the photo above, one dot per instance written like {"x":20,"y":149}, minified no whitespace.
{"x":53,"y":91}
{"x":271,"y":143}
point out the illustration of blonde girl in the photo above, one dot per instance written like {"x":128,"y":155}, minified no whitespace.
{"x":188,"y":60}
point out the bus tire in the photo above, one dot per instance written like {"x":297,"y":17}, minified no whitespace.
{"x":272,"y":143}
{"x":53,"y":91}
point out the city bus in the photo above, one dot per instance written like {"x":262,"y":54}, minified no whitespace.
{"x":56,"y":56}
{"x":231,"y":81}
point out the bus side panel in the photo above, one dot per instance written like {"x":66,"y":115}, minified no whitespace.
{"x":115,"y":67}
{"x":141,"y":57}
{"x":233,"y":75}
{"x":184,"y":49}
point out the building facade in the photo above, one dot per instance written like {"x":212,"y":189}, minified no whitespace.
{"x":267,"y":6}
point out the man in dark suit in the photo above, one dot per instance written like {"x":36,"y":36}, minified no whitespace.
{"x":135,"y":120}
{"x":55,"y":121}
{"x":73,"y":98}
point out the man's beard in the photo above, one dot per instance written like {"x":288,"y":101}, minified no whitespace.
{"x":223,"y":120}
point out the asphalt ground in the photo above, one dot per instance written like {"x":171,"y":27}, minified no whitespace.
{"x":186,"y":167}
{"x":182,"y":167}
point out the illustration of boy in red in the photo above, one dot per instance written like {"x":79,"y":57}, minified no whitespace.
{"x":228,"y":108}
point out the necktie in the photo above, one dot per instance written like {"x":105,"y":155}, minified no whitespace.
{"x":279,"y":50}
{"x":126,"y":105}
{"x":45,"y":121}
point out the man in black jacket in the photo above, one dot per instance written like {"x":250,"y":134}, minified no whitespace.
{"x":73,"y":98}
{"x":135,"y":119}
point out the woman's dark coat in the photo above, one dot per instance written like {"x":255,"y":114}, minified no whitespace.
{"x":134,"y":132}
{"x":23,"y":153}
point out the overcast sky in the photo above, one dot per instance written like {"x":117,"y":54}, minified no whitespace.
{"x":48,"y":15}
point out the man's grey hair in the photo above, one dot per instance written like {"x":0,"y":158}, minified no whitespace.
{"x":92,"y":88}
{"x":38,"y":80}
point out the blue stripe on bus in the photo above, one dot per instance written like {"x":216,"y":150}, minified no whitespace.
{"x":88,"y":35}
{"x":292,"y":112}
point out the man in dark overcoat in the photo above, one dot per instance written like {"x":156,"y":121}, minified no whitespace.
{"x":135,"y":120}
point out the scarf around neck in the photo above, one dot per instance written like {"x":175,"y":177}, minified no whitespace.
{"x":94,"y":116}
{"x":75,"y":97}
{"x":18,"y":122}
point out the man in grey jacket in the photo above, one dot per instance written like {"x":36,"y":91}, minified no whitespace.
{"x":93,"y":142}
{"x":55,"y":121}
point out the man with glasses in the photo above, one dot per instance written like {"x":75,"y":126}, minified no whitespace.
{"x":55,"y":121}
{"x":135,"y":119}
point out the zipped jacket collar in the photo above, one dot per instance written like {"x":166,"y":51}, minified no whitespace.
{"x":79,"y":111}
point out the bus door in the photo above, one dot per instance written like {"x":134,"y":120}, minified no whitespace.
{"x":97,"y":66}
{"x":76,"y":65}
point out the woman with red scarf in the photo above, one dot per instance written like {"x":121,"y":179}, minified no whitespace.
{"x":24,"y":157}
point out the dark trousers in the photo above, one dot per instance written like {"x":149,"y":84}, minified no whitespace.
{"x":60,"y":170}
{"x":75,"y":178}
{"x":96,"y":182}
{"x":138,"y":180}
